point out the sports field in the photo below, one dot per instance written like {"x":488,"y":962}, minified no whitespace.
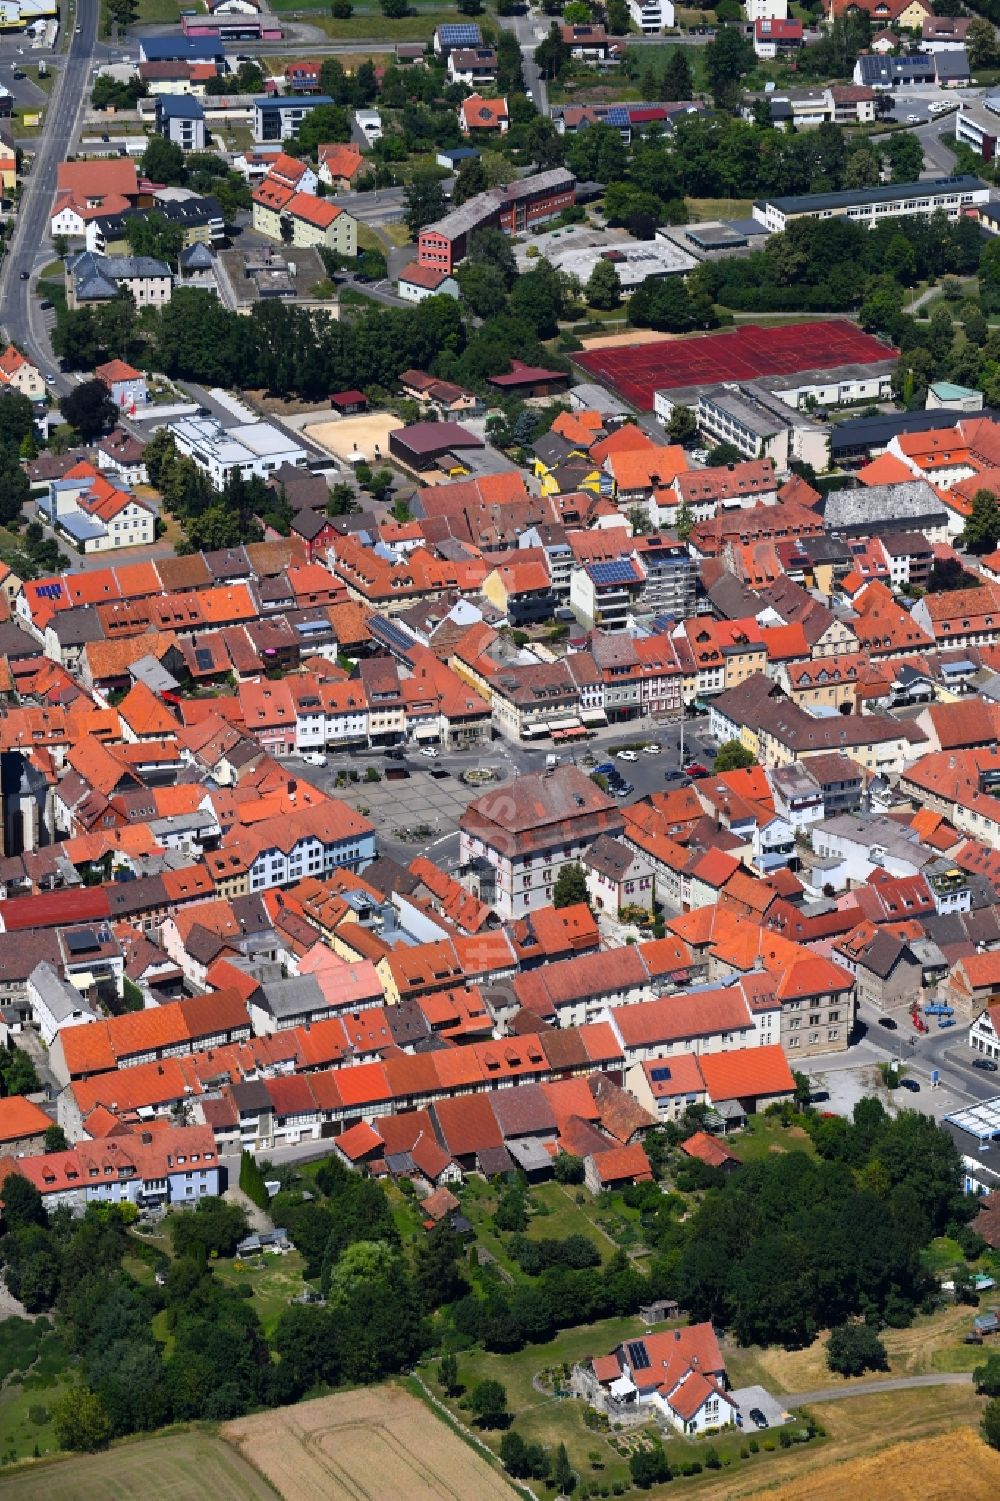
{"x":379,"y":1444}
{"x":179,"y":1467}
{"x":739,"y":354}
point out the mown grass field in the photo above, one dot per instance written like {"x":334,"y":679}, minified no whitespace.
{"x":190,"y":1466}
{"x":931,"y":1343}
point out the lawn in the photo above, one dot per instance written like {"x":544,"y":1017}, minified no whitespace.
{"x":702,"y":209}
{"x":275,"y":1281}
{"x":33,"y":1373}
{"x":932,"y":1342}
{"x":160,"y":12}
{"x":766,"y":1134}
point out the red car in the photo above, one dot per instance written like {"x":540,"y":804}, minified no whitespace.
{"x":696,"y":769}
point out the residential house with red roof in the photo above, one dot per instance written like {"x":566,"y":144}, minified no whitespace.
{"x":677,"y":1375}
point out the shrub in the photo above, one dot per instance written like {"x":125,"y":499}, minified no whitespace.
{"x":768,"y":1445}
{"x":754,"y":1446}
{"x":785,"y":1439}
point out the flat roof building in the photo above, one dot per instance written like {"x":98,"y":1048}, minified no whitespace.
{"x":953,"y":195}
{"x":248,"y":449}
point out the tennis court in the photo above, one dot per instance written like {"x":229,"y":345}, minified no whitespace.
{"x":740,"y":354}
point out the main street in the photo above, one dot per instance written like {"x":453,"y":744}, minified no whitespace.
{"x":30,"y":247}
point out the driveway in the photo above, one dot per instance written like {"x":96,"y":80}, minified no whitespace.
{"x":774,"y":1408}
{"x":874,"y":1388}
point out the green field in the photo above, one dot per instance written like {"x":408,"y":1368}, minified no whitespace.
{"x":189,"y":1466}
{"x":275,"y":1281}
{"x":374,"y":27}
{"x":766,"y":1134}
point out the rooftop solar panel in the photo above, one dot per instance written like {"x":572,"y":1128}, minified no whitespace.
{"x":638,"y":1355}
{"x":203,"y":657}
{"x":460,"y":34}
{"x":618,"y":572}
{"x":659,"y":1075}
{"x":82,"y":941}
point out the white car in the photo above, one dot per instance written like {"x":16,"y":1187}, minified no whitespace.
{"x":652,"y":749}
{"x":314,"y":758}
{"x":429,"y":752}
{"x":626,"y":755}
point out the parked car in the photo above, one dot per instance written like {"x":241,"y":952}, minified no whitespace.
{"x":314,"y":758}
{"x":911,"y":1085}
{"x":674,"y":774}
{"x":946,"y":1021}
{"x":696,"y":769}
{"x":652,"y":749}
{"x":626,"y":755}
{"x":758,"y":1417}
{"x":887,"y":1022}
{"x":987,"y":1065}
{"x":605,"y":769}
{"x":623,"y":789}
{"x":430,"y":752}
{"x":395,"y":753}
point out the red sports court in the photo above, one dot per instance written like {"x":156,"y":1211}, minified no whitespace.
{"x":637,"y":370}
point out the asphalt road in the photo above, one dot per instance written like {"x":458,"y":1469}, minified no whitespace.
{"x":873,"y":1388}
{"x":30,"y":249}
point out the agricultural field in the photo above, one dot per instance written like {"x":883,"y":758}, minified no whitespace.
{"x":936,"y":1469}
{"x":364,"y":1446}
{"x":176,"y":1467}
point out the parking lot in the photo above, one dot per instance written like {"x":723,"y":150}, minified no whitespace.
{"x":759,"y":1399}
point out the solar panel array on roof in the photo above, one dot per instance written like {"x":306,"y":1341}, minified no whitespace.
{"x":617,"y":115}
{"x":49,"y":591}
{"x":659,"y":1075}
{"x":390,"y":634}
{"x":82,"y":941}
{"x":460,"y":34}
{"x":204,"y":658}
{"x":638,"y":1355}
{"x":620,"y":571}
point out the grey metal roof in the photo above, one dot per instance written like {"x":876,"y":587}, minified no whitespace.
{"x":913,"y":500}
{"x":810,"y":203}
{"x":470,"y":215}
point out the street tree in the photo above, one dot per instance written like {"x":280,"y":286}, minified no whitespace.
{"x":682,"y":426}
{"x":603,"y":289}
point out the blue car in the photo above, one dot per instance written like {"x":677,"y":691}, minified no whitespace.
{"x":605,"y":769}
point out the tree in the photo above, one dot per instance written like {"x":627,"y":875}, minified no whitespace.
{"x":990,"y":1426}
{"x":154,"y":235}
{"x":905,"y":156}
{"x":724,"y":453}
{"x":678,"y":83}
{"x":733,"y":756}
{"x":682,"y":426}
{"x":552,"y":55}
{"x":424,"y":201}
{"x":864,"y":168}
{"x":252,"y":1181}
{"x":514,"y":1455}
{"x":488,"y":1400}
{"x":511,"y":1212}
{"x":448,"y":1374}
{"x":215,"y":1227}
{"x":567,"y":1168}
{"x":947,"y":575}
{"x":982,"y":529}
{"x":987,"y":1377}
{"x":727,"y":61}
{"x":571,"y":886}
{"x":981,"y":42}
{"x":603,"y":289}
{"x":55,"y":1140}
{"x":563,"y":1474}
{"x":341,"y":10}
{"x":471,"y":179}
{"x":81,"y":1420}
{"x":22,"y":1204}
{"x":648,"y":1467}
{"x":14,"y":488}
{"x":616,"y":12}
{"x":163,"y":161}
{"x":853,"y":1349}
{"x":89,"y":409}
